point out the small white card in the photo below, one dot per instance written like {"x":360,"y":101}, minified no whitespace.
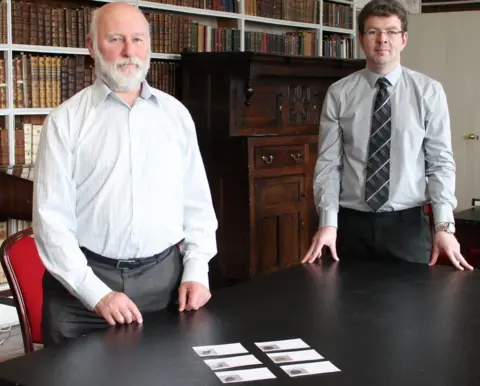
{"x":226,"y":363}
{"x":221,"y":349}
{"x":288,"y":344}
{"x":244,"y":375}
{"x":295,"y":356}
{"x":300,"y":369}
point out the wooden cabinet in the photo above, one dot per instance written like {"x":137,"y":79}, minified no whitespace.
{"x":257,"y":118}
{"x":280,"y":196}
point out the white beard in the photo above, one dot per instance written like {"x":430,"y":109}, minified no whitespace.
{"x":117,"y":80}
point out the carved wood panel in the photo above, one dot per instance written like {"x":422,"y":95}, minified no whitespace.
{"x":303,"y":105}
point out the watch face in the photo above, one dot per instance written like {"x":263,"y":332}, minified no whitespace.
{"x":451,"y":227}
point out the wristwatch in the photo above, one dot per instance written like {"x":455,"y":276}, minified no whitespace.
{"x":448,"y":227}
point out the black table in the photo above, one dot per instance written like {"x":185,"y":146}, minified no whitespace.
{"x":468,"y":216}
{"x":380,"y":324}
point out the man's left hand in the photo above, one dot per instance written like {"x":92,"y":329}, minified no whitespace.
{"x":192,"y":295}
{"x":448,"y":244}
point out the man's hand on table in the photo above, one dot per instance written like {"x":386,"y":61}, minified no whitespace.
{"x":117,"y":308}
{"x":192,"y":295}
{"x":448,"y":244}
{"x":326,"y":236}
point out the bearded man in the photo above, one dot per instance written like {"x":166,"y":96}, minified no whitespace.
{"x":122,"y":212}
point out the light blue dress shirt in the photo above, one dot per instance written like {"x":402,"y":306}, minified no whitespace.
{"x":422,"y":165}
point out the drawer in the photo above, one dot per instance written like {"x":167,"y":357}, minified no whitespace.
{"x":273,"y":157}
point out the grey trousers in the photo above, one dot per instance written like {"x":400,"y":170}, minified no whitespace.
{"x":152,"y":287}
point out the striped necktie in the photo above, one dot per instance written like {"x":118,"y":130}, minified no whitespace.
{"x":378,"y":166}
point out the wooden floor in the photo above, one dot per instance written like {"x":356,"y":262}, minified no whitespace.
{"x":11,"y":343}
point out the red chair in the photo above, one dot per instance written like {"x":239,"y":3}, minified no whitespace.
{"x":24,"y":271}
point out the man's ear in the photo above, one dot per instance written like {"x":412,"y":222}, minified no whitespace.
{"x":90,"y":44}
{"x":359,"y":38}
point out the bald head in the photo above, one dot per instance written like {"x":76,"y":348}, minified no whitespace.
{"x":114,"y":14}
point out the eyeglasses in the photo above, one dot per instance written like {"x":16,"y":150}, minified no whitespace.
{"x":374,"y":33}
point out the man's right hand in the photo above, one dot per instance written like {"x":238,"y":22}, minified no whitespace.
{"x":326,"y":236}
{"x":116,"y":307}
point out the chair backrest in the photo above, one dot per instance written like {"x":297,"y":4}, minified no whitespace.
{"x":24,"y":272}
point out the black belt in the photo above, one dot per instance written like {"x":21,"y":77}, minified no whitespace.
{"x":125,"y":263}
{"x":402,"y":213}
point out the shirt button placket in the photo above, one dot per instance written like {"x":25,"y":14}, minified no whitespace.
{"x":134,"y":183}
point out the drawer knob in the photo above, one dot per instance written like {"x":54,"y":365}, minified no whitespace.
{"x":248,"y":90}
{"x":267,"y":160}
{"x":295,"y":157}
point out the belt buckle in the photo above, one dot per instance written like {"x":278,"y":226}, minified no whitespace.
{"x":127,"y":263}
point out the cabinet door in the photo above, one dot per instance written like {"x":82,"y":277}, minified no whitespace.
{"x":280,"y":229}
{"x":258,"y":108}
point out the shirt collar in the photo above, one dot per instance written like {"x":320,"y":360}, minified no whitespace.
{"x":392,"y":77}
{"x":101,"y":91}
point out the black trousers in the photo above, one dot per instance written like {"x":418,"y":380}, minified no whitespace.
{"x":399,"y":235}
{"x":151,"y":286}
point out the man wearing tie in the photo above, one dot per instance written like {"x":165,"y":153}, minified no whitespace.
{"x":384,"y":153}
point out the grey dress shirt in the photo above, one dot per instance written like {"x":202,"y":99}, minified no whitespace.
{"x":422,"y":168}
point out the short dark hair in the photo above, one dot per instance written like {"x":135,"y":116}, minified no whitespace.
{"x":382,"y":8}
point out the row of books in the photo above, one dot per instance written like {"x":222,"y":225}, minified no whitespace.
{"x":304,"y":11}
{"x":3,"y":23}
{"x":3,"y":85}
{"x":214,"y":5}
{"x":339,"y":46}
{"x":44,"y":24}
{"x":27,"y":136}
{"x":338,"y":15}
{"x":175,"y":33}
{"x":47,"y":81}
{"x":301,"y":43}
{"x":291,"y":43}
{"x":35,"y":23}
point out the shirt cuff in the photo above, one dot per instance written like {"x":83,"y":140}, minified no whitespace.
{"x":196,"y":270}
{"x":442,"y":213}
{"x":328,"y":218}
{"x":92,"y":290}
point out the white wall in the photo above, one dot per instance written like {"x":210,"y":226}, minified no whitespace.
{"x":451,"y":55}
